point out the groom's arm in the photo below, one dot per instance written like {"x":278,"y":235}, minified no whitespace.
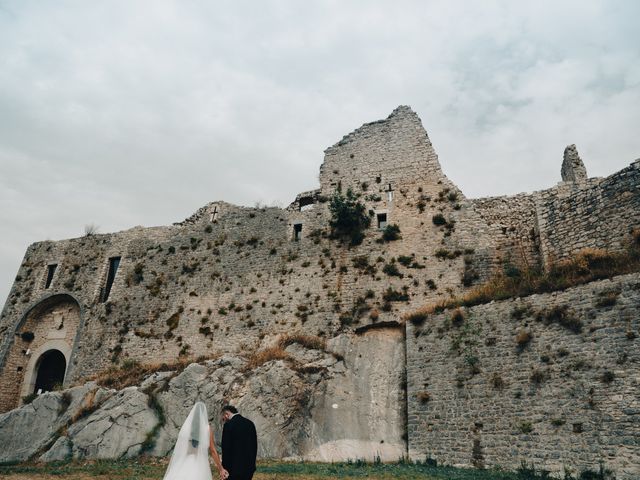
{"x":225,"y":446}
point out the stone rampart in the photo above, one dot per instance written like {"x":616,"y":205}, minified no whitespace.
{"x":548,"y":379}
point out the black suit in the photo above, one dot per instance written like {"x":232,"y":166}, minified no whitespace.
{"x":239,"y":448}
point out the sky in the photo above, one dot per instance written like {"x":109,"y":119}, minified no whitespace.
{"x":121,"y":113}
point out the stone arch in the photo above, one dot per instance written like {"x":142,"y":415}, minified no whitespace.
{"x":51,"y":324}
{"x":39,"y":358}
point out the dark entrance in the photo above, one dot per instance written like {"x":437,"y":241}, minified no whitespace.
{"x":52,"y":366}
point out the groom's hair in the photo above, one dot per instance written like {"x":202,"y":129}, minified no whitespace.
{"x":230,"y":408}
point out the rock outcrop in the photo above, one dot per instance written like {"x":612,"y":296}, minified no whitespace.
{"x":311,"y":402}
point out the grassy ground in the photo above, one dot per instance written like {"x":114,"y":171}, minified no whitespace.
{"x":154,"y":469}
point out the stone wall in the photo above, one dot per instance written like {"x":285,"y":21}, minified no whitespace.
{"x":229,"y":278}
{"x":54,"y":325}
{"x":548,"y":379}
{"x":598,"y":216}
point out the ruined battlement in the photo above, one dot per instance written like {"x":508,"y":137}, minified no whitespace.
{"x":231,"y":279}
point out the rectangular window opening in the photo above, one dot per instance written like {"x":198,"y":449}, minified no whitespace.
{"x":297,"y":232}
{"x":382,"y":220}
{"x":51,"y":270}
{"x":114,"y":263}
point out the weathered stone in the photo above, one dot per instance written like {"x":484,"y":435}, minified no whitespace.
{"x":231,"y":280}
{"x":60,"y":451}
{"x":117,"y":429}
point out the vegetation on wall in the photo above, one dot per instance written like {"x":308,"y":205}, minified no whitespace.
{"x":584,"y":267}
{"x":349,"y":217}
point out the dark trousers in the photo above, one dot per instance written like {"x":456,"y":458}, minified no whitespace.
{"x":240,"y":477}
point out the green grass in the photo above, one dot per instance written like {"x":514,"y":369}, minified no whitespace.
{"x":154,"y":468}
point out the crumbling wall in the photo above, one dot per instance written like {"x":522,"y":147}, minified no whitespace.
{"x":229,"y":278}
{"x":600,"y":215}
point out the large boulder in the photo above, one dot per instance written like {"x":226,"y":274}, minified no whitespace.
{"x":323,"y":403}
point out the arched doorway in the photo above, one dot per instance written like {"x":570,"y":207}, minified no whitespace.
{"x":52,"y":323}
{"x":51,"y":369}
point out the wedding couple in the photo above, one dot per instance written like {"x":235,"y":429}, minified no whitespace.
{"x":190,"y":458}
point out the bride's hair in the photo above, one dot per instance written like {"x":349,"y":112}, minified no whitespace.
{"x":190,"y":457}
{"x":194,"y":435}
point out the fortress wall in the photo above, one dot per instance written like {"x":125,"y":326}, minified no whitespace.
{"x":599,"y":216}
{"x":513,"y":223}
{"x":564,"y":399}
{"x":231,"y":278}
{"x":53,"y":325}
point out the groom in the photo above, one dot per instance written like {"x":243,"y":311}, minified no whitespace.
{"x":239,"y":444}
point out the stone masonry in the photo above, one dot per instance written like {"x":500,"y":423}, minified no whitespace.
{"x":229,"y":280}
{"x":506,"y":382}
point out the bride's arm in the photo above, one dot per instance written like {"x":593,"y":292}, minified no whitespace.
{"x":214,"y":453}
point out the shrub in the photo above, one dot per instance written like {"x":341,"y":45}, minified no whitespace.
{"x":405,"y":260}
{"x":416,"y":318}
{"x":261,"y":357}
{"x":307,"y":341}
{"x":133,"y":373}
{"x":392,"y":270}
{"x":563,"y":316}
{"x":525,"y":427}
{"x":27,"y":399}
{"x":523,"y":338}
{"x":392,"y":295}
{"x":557,"y":422}
{"x":391,"y":233}
{"x":537,"y":376}
{"x":443,"y":253}
{"x":172,"y":322}
{"x":423,"y":397}
{"x":607,"y":298}
{"x":497,"y":381}
{"x":349,"y":218}
{"x":439,"y":220}
{"x":360,"y":262}
{"x":608,"y":376}
{"x":457,"y":317}
{"x":587,"y":265}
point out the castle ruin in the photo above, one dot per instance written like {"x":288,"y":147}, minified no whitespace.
{"x":229,"y":280}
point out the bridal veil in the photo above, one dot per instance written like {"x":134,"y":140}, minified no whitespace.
{"x":190,"y":458}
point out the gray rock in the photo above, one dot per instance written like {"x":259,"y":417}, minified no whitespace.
{"x":117,"y":429}
{"x":61,"y":450}
{"x":29,"y":429}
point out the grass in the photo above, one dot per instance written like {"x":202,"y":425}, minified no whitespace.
{"x":147,"y":468}
{"x":584,"y":267}
{"x":131,"y":372}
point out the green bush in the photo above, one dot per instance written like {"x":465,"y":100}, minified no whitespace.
{"x":349,"y":217}
{"x":439,"y":220}
{"x":391,"y":233}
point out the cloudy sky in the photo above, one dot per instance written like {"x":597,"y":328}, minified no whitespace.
{"x":124,"y":113}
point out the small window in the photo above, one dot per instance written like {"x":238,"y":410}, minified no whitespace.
{"x":382,"y":220}
{"x":114,"y":263}
{"x":51,"y":270}
{"x":297,"y":232}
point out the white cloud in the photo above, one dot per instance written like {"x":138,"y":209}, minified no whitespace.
{"x":122,"y":113}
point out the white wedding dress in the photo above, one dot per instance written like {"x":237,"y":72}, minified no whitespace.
{"x":190,"y":458}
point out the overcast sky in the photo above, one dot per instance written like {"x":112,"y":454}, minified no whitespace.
{"x":124,"y":113}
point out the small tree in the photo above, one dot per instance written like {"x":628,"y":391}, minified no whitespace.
{"x":91,"y":229}
{"x":349,"y":218}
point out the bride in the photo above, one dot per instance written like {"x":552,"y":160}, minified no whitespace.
{"x":190,"y":459}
